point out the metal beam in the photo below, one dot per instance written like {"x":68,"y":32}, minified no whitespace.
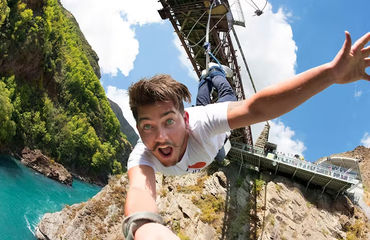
{"x":340,"y":190}
{"x":323,"y":189}
{"x":276,"y":168}
{"x":241,"y":164}
{"x":310,"y":180}
{"x":259,"y":162}
{"x":295,"y":171}
{"x":165,"y":5}
{"x":239,"y":87}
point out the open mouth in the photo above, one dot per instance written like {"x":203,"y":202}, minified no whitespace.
{"x":165,"y":151}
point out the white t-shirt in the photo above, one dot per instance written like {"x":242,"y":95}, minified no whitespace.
{"x":208,"y":126}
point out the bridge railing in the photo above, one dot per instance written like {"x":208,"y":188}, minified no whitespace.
{"x":322,"y":169}
{"x":327,"y":169}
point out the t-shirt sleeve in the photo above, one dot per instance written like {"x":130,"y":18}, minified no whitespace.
{"x":216,"y":115}
{"x":139,"y":156}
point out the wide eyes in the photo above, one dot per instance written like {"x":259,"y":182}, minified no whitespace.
{"x":170,"y":121}
{"x":147,"y":127}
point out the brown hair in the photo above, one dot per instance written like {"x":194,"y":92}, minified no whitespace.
{"x":159,"y":88}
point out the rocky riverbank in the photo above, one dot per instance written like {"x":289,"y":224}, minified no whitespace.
{"x":37,"y":161}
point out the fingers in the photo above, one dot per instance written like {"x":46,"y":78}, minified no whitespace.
{"x":366,"y":77}
{"x":367,"y":62}
{"x":360,"y":43}
{"x":347,"y":43}
{"x":366,"y":51}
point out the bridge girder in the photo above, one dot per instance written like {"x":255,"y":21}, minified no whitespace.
{"x":189,"y":19}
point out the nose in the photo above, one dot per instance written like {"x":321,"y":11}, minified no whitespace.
{"x":161,"y":135}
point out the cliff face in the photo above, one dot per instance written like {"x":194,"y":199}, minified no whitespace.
{"x":50,"y":91}
{"x":125,"y":127}
{"x":363,"y":155}
{"x":224,"y":203}
{"x":288,"y":211}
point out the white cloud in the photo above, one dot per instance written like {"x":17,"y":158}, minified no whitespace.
{"x":366,"y":140}
{"x":267,"y":42}
{"x":109,"y":28}
{"x":120,"y":96}
{"x":283,"y":136}
{"x":358,"y":93}
{"x":183,"y":57}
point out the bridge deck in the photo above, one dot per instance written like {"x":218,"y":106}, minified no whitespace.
{"x":330,"y":180}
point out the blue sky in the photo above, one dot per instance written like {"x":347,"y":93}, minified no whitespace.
{"x":132,"y":42}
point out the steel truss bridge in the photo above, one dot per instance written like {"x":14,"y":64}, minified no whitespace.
{"x":189,"y":19}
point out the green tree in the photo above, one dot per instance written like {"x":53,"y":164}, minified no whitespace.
{"x":4,"y":11}
{"x":7,"y":125}
{"x":33,"y":129}
{"x":102,"y":159}
{"x":79,"y":143}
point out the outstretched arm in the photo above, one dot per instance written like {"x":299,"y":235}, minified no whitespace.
{"x":349,"y":65}
{"x":141,"y":194}
{"x":141,"y":198}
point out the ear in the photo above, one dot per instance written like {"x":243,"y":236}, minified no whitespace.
{"x":186,"y":119}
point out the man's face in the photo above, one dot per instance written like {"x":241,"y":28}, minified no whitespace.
{"x":163,"y":130}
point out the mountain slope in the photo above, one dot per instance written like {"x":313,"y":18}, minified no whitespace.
{"x":53,"y":97}
{"x":126,"y":128}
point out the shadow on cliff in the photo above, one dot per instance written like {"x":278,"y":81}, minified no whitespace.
{"x":238,"y":220}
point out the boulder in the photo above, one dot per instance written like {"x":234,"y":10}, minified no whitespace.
{"x":36,"y":160}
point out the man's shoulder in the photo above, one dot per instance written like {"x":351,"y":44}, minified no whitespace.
{"x":208,"y":107}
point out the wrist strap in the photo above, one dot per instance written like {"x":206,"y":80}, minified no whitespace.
{"x":134,"y":221}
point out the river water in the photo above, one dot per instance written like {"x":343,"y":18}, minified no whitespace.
{"x":26,"y":195}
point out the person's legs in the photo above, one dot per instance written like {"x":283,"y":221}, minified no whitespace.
{"x":225,"y":91}
{"x":204,"y":92}
{"x":216,"y":78}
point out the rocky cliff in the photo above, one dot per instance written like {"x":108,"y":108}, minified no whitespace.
{"x":225,"y":202}
{"x":37,"y":161}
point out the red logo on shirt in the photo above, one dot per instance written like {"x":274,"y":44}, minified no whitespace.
{"x":197,"y":165}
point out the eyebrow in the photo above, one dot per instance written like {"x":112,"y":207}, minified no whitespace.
{"x":162,"y":115}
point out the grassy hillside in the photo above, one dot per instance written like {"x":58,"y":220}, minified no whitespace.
{"x":50,"y":94}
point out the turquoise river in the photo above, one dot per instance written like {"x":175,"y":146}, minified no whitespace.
{"x":26,"y":195}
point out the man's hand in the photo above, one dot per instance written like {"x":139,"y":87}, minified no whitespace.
{"x":350,"y":63}
{"x":348,"y":66}
{"x":154,"y":231}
